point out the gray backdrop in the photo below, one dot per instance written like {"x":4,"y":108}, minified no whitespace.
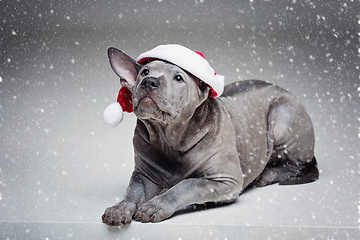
{"x":61,"y":166}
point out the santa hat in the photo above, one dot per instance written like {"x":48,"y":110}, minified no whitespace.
{"x":191,"y":61}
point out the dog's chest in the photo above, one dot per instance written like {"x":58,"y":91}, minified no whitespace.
{"x":170,"y":167}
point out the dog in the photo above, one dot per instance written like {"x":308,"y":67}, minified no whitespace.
{"x":191,"y":148}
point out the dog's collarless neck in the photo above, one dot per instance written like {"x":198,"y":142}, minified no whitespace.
{"x":181,"y":135}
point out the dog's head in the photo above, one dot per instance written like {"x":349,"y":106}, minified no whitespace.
{"x":161,"y":91}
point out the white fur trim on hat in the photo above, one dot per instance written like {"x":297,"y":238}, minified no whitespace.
{"x":187,"y":60}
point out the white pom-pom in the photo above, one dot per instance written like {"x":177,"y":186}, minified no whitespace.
{"x":113,"y":114}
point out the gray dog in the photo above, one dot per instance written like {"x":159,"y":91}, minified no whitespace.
{"x":191,"y":148}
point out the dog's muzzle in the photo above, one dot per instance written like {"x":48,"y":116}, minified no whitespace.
{"x":150,"y":83}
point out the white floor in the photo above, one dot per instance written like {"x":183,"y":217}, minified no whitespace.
{"x":61,"y":166}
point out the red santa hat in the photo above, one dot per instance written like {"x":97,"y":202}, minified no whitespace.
{"x":191,"y":61}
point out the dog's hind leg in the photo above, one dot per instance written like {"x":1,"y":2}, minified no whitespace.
{"x":287,"y":174}
{"x":292,"y":135}
{"x":308,"y":173}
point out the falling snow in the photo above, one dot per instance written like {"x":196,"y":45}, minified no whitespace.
{"x":60,"y":163}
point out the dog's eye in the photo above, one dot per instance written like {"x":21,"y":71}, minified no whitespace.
{"x":145,"y":72}
{"x":179,"y":78}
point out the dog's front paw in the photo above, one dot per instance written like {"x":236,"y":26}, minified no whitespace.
{"x":119,"y":214}
{"x":155,"y":210}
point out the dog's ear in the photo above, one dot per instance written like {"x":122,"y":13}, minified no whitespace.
{"x":124,"y":66}
{"x":203,"y":89}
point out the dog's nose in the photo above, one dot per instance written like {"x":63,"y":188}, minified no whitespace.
{"x":150,"y":83}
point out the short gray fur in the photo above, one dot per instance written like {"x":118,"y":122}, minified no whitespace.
{"x":192,"y":149}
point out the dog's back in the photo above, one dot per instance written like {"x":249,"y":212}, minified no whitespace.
{"x":275,"y":136}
